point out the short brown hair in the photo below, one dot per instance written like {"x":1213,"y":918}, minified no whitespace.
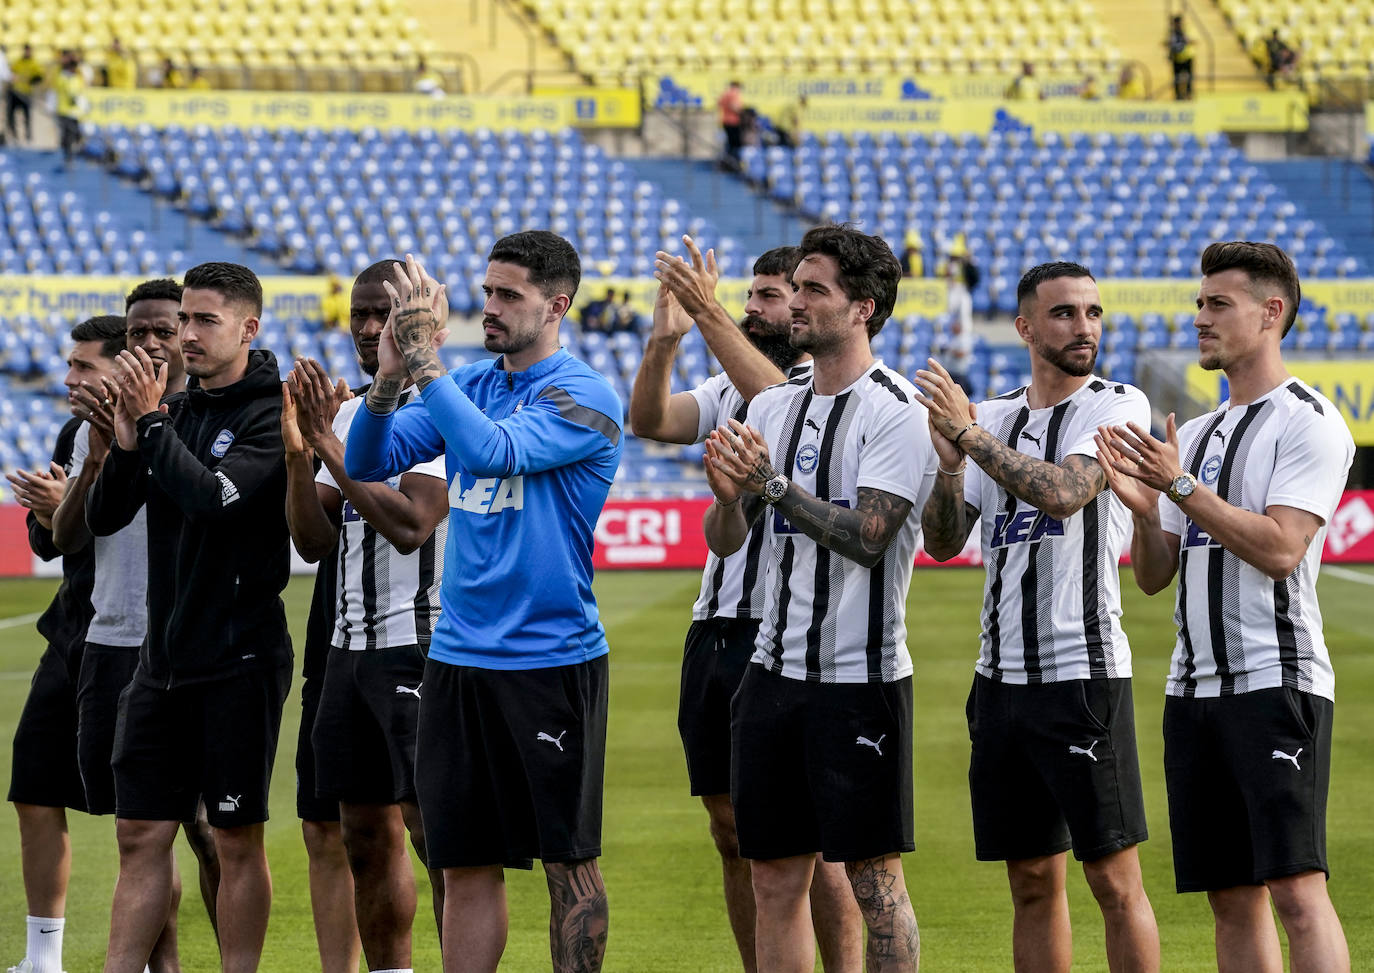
{"x":868,"y":270}
{"x":1263,"y":263}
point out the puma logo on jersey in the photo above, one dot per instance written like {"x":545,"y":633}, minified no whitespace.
{"x":1087,"y":753}
{"x":1034,"y":439}
{"x":230,"y":803}
{"x":406,"y":689}
{"x":1220,"y":435}
{"x":875,"y":744}
{"x":812,"y":424}
{"x":1291,"y":758}
{"x":556,"y":741}
{"x":488,"y":495}
{"x":1024,"y":527}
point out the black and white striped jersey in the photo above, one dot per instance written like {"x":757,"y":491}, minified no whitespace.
{"x":731,"y":587}
{"x":386,"y":599}
{"x":1052,"y":595}
{"x":826,"y":619}
{"x":1238,"y":629}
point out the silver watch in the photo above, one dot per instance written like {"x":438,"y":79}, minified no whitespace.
{"x":776,"y":488}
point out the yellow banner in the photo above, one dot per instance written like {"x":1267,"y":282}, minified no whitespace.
{"x":81,"y":297}
{"x":1347,"y":382}
{"x":1268,"y":111}
{"x":275,"y":110}
{"x":1369,"y":117}
{"x":1337,"y":296}
{"x":848,"y":104}
{"x":594,"y":107}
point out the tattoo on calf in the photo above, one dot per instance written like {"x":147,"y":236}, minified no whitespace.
{"x":894,"y":942}
{"x":578,"y":918}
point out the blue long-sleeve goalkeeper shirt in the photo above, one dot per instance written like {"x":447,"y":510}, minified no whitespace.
{"x":530,"y":457}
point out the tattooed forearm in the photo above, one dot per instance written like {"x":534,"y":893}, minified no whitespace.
{"x":383,"y":396}
{"x":578,"y":916}
{"x":894,"y":942}
{"x":946,"y":519}
{"x":1059,"y":491}
{"x":862,"y":534}
{"x":424,"y":366}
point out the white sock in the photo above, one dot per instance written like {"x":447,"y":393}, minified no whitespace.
{"x":394,"y":971}
{"x":45,"y":943}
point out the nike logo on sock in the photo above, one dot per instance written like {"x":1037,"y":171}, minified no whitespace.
{"x":46,"y":931}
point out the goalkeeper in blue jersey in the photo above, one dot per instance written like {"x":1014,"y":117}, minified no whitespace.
{"x":512,"y":732}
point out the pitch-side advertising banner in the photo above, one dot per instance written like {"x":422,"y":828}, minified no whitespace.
{"x":637,"y":534}
{"x":1347,"y":382}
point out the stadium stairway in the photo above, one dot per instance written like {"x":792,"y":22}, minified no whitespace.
{"x":137,"y":210}
{"x":500,"y":38}
{"x":1337,"y":193}
{"x":1140,"y":31}
{"x":754,"y":222}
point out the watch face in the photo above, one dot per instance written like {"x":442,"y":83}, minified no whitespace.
{"x":1184,"y":486}
{"x":775,"y":488}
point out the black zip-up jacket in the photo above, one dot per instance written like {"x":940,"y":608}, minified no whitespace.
{"x":65,"y":621}
{"x":213,"y":475}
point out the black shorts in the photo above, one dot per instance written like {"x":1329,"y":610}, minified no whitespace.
{"x":1247,"y":777}
{"x":217,"y":739}
{"x":309,"y":805}
{"x":1054,"y":766}
{"x":44,"y":770}
{"x":821,"y":767}
{"x":713,"y":663}
{"x":510,"y":764}
{"x":364,"y":736}
{"x":105,"y":671}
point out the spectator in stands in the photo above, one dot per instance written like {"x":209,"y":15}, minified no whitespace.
{"x":1181,"y":55}
{"x":789,"y":125}
{"x":5,"y":76}
{"x":1025,"y":87}
{"x":731,"y":104}
{"x":28,"y":74}
{"x":962,"y":276}
{"x":1129,"y":85}
{"x":1090,"y":90}
{"x":1280,"y":57}
{"x":197,"y":81}
{"x":621,"y":316}
{"x":170,"y":75}
{"x":121,"y":70}
{"x":335,"y":306}
{"x":913,"y":255}
{"x":428,"y":81}
{"x":597,"y":315}
{"x":70,"y":88}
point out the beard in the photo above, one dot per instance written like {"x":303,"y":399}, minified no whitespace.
{"x":1062,"y":359}
{"x":775,"y":345}
{"x":511,"y":338}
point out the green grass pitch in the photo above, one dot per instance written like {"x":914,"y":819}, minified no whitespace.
{"x":661,"y":871}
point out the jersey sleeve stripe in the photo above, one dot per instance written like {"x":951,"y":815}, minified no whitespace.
{"x":581,"y":414}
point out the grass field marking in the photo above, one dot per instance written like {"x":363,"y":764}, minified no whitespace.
{"x":18,"y":620}
{"x":1345,"y":574}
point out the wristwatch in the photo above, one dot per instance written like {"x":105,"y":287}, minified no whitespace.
{"x":1182,"y":487}
{"x":775,"y":489}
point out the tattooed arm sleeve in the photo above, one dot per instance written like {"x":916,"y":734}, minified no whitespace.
{"x":861,"y":534}
{"x":1059,"y":491}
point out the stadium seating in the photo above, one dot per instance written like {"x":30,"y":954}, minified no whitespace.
{"x":619,"y":41}
{"x":1126,"y":205}
{"x":45,"y":230}
{"x":332,"y":201}
{"x":225,"y":37}
{"x":1333,"y":39}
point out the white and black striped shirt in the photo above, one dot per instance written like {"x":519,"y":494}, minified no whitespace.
{"x":1238,"y":629}
{"x":1052,"y":596}
{"x":731,"y":587}
{"x":827,"y":619}
{"x":386,"y":599}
